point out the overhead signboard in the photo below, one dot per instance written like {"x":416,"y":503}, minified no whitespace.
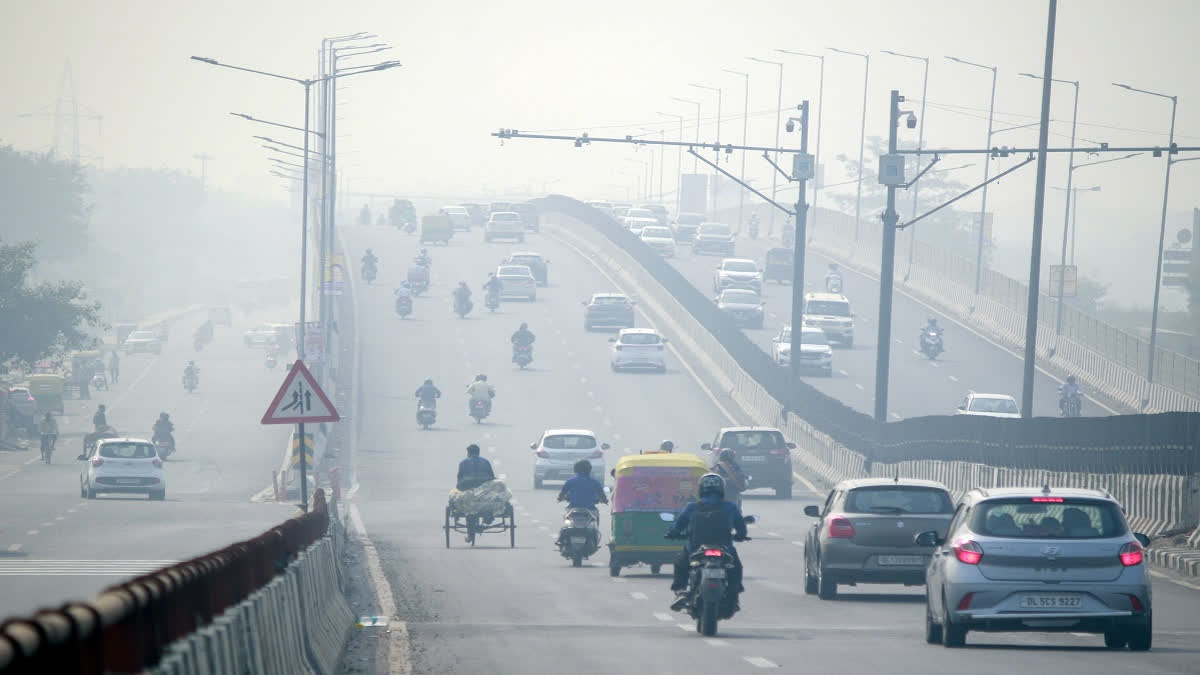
{"x":300,"y":400}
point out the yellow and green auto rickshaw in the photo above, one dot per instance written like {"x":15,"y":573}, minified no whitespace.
{"x":648,"y":485}
{"x":47,"y":392}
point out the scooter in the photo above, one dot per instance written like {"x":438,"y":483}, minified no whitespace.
{"x":190,"y":382}
{"x":462,"y":308}
{"x":522,"y":355}
{"x":833,"y":283}
{"x":1071,"y":405}
{"x":579,"y":536}
{"x":931,"y":344}
{"x":164,"y":448}
{"x":492,"y":301}
{"x":426,"y":415}
{"x":480,"y":409}
{"x":99,"y":382}
{"x":418,"y":279}
{"x":368,"y":273}
{"x":403,"y":306}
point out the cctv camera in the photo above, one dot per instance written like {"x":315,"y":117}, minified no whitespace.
{"x":911,"y":121}
{"x":791,"y":126}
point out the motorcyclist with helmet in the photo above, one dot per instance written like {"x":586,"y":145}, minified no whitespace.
{"x":581,"y":491}
{"x":727,"y":467}
{"x":369,"y":259}
{"x":462,"y":296}
{"x":665,"y":447}
{"x":523,"y":337}
{"x":1067,"y":391}
{"x":831,"y":275}
{"x":164,"y":430}
{"x":404,"y":290}
{"x":480,"y":390}
{"x":423,"y":258}
{"x":428,"y":394}
{"x":708,"y":522}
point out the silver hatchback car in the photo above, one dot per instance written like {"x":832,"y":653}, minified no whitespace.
{"x":1041,"y":560}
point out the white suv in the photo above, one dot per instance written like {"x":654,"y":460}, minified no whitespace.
{"x":831,"y":313}
{"x":639,"y":348}
{"x":124,"y":465}
{"x":504,"y":225}
{"x":556,"y":452}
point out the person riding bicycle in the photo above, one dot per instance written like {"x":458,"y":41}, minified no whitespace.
{"x":48,"y":430}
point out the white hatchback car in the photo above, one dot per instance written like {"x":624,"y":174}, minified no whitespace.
{"x":557,"y":451}
{"x":989,"y":405}
{"x":123,"y":465}
{"x":639,"y":348}
{"x":517,"y":281}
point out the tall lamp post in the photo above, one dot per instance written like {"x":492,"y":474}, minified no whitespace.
{"x":678,"y":160}
{"x":745,"y":125}
{"x":718,"y":152}
{"x":1162,"y":234}
{"x":916,"y":188}
{"x":818,"y":177}
{"x":987,"y":166}
{"x":862,"y":137}
{"x":778,"y":112}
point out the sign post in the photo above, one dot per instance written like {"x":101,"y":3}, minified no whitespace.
{"x":300,"y":400}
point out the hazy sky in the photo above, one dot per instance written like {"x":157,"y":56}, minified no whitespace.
{"x":473,"y":66}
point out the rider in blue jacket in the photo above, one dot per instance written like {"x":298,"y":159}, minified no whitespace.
{"x":711,"y":521}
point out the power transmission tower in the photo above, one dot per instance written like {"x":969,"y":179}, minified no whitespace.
{"x":66,"y":112}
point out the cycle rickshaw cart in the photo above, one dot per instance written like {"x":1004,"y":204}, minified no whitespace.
{"x":482,"y":510}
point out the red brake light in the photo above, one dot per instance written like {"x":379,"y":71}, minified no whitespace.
{"x":840,"y":528}
{"x":1048,"y":500}
{"x":965,"y":602}
{"x":1131,"y":554}
{"x":97,"y":460}
{"x":542,"y":453}
{"x":1136,"y":604}
{"x":778,"y":451}
{"x":712,"y":553}
{"x":968,"y":551}
{"x":157,"y":463}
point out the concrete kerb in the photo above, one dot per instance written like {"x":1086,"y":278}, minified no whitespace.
{"x":1155,"y":502}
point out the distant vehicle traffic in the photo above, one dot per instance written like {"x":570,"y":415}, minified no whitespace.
{"x":123,"y":465}
{"x":142,"y":341}
{"x":504,"y":225}
{"x":989,"y":405}
{"x":737,"y":273}
{"x":714,"y":238}
{"x":660,"y":240}
{"x":517,"y":281}
{"x":608,"y":310}
{"x":831,"y":313}
{"x":763,"y":454}
{"x":745,"y":307}
{"x":556,"y":452}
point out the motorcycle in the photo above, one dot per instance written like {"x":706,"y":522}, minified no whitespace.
{"x":492,"y":301}
{"x":522,"y":355}
{"x":426,"y":415}
{"x":462,"y":307}
{"x":480,"y":409}
{"x":579,"y":536}
{"x":164,"y":448}
{"x":708,"y":598}
{"x":403,"y":306}
{"x":271,"y":360}
{"x":48,"y":441}
{"x":190,"y":382}
{"x":368,"y":273}
{"x":1071,"y":405}
{"x":418,"y":279}
{"x":833,"y":283}
{"x":931,"y":343}
{"x":99,"y":382}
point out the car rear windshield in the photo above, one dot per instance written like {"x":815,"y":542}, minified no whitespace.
{"x":739,"y":266}
{"x":639,"y":213}
{"x":610,"y":300}
{"x":569,"y":442}
{"x":1048,"y":518}
{"x":514,"y":271}
{"x":656,"y":233}
{"x":127,"y":451}
{"x":505,"y":217}
{"x":639,"y":339}
{"x":752,"y":440}
{"x":898,"y":499}
{"x":740,"y":297}
{"x":828,"y":308}
{"x":812,"y":337}
{"x":714,"y":229}
{"x":993,"y":405}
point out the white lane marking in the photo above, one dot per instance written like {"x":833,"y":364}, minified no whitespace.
{"x":638,"y":596}
{"x":714,"y":642}
{"x":772,"y":534}
{"x":30,"y":533}
{"x":598,"y":408}
{"x":583,"y":380}
{"x":760,"y":662}
{"x":952,"y":378}
{"x":807,"y":483}
{"x":490,"y":448}
{"x":47,"y":524}
{"x":616,"y":437}
{"x":71,"y":510}
{"x":535,"y":521}
{"x":575,"y":366}
{"x":619,"y":580}
{"x":899,"y":342}
{"x":60,"y":517}
{"x":1173,"y":580}
{"x":663,"y":616}
{"x":487,"y":435}
{"x":842,"y":372}
{"x":685,"y":626}
{"x":916,"y":353}
{"x":543,"y":527}
{"x":860,"y":386}
{"x":13,"y":548}
{"x":398,"y":654}
{"x":798,"y":543}
{"x":31,"y":460}
{"x":935,"y":364}
{"x":607,"y":422}
{"x":591,"y":394}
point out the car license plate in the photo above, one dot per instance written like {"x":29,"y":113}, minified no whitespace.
{"x":578,"y":540}
{"x":712,"y":573}
{"x":1051,"y":601}
{"x":901,"y":560}
{"x":750,"y":459}
{"x":128,"y":481}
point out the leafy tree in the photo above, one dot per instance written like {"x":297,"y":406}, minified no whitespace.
{"x":43,"y":199}
{"x":43,"y":320}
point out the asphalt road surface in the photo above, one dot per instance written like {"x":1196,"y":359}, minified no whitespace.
{"x":918,"y":386}
{"x":495,"y":609}
{"x":56,"y":546}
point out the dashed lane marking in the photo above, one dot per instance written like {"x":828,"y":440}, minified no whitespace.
{"x":896,"y":415}
{"x":860,"y":386}
{"x":490,"y":448}
{"x":638,"y":596}
{"x":543,"y":527}
{"x":760,"y":662}
{"x":663,"y":616}
{"x":935,"y":364}
{"x":583,"y":380}
{"x":844,"y":373}
{"x":714,"y":642}
{"x":953,"y":378}
{"x":798,"y":543}
{"x":30,"y":533}
{"x":807,"y":483}
{"x":13,"y":548}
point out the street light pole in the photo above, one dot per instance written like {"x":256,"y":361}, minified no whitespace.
{"x":799,"y":244}
{"x":887,"y":273}
{"x":678,"y":161}
{"x":717,"y":157}
{"x":778,"y":112}
{"x":916,"y":188}
{"x":818,"y":177}
{"x":987,"y":166}
{"x":1162,"y":234}
{"x":695,"y":162}
{"x":862,"y":138}
{"x":745,"y":126}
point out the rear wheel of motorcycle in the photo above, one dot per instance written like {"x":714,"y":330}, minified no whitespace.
{"x":576,"y":560}
{"x":707,"y":623}
{"x":447,"y":527}
{"x":655,"y":569}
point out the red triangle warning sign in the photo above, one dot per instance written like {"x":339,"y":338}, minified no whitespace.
{"x":300,"y":399}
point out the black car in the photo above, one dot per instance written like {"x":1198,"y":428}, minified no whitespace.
{"x":609,"y":310}
{"x":535,"y":262}
{"x":763,"y":453}
{"x":685,"y":227}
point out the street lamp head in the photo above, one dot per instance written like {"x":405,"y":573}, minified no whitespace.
{"x":1036,"y":77}
{"x":243,"y":116}
{"x":1115,"y":84}
{"x":205,"y":59}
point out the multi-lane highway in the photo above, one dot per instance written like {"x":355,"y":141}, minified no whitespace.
{"x":56,"y":546}
{"x":526,"y":610}
{"x":918,"y":386}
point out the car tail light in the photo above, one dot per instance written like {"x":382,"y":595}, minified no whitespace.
{"x":1131,"y":554}
{"x":968,"y":551}
{"x":712,"y":553}
{"x":1136,"y":604}
{"x":965,"y":602}
{"x":157,"y":463}
{"x":840,"y":528}
{"x":778,"y":451}
{"x":543,"y":454}
{"x":97,"y":461}
{"x":597,"y":454}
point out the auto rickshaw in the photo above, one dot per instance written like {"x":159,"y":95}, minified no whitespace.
{"x":436,"y":229}
{"x":648,"y":485}
{"x":47,"y":392}
{"x":778,"y":265}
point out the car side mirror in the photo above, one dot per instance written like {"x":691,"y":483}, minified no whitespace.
{"x":790,"y":446}
{"x":584,"y":303}
{"x":1142,"y":539}
{"x":812,"y":511}
{"x":667,"y":517}
{"x":533,"y":446}
{"x":605,"y":446}
{"x":706,"y":446}
{"x":612,"y":472}
{"x":928,"y":538}
{"x":613,"y":339}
